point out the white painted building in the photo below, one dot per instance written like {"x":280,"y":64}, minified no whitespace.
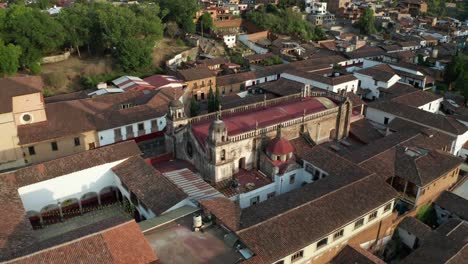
{"x":315,"y":7}
{"x":334,"y":82}
{"x":129,"y":131}
{"x":458,"y":131}
{"x":372,"y":80}
{"x":79,"y":183}
{"x":229,"y":40}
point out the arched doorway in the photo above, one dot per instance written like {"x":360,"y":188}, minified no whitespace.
{"x":35,"y":219}
{"x":110,"y":195}
{"x":70,"y":208}
{"x":89,"y":202}
{"x":51,"y":214}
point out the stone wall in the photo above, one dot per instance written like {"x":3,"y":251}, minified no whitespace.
{"x":56,"y":58}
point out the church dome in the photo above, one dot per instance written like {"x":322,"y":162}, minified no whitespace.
{"x":280,"y":146}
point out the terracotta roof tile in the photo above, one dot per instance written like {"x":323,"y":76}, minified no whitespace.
{"x":356,"y":255}
{"x":80,"y":161}
{"x":120,"y":244}
{"x":454,"y":204}
{"x":154,"y":190}
{"x":285,"y":233}
{"x":16,"y":86}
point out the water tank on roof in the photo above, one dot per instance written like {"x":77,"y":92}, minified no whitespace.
{"x":197,"y":221}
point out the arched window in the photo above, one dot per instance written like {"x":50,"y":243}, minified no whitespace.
{"x":223,"y":154}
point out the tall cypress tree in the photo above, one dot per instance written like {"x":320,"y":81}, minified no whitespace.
{"x":211,"y":101}
{"x":217,"y":99}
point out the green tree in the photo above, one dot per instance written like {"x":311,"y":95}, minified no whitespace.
{"x":180,"y":11}
{"x":366,"y":22}
{"x":319,"y":34}
{"x":205,"y":23}
{"x":211,"y":101}
{"x":217,"y":99}
{"x":9,"y":59}
{"x":455,"y":69}
{"x":285,"y":21}
{"x":77,"y":24}
{"x":133,"y":54}
{"x":194,"y":107}
{"x":35,"y":32}
{"x":172,"y":29}
{"x":461,"y":84}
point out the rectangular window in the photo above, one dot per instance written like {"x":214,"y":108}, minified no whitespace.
{"x":338,"y":234}
{"x":154,"y":124}
{"x":31,"y":150}
{"x":271,"y":195}
{"x":77,"y":141}
{"x":387,"y":207}
{"x":91,"y":145}
{"x":292,"y":179}
{"x":141,"y":126}
{"x":298,"y":255}
{"x":129,"y":130}
{"x":117,"y":133}
{"x":372,"y":216}
{"x":322,"y":243}
{"x":223,"y":154}
{"x":385,"y":120}
{"x":359,"y":223}
{"x":54,"y":146}
{"x":254,"y":200}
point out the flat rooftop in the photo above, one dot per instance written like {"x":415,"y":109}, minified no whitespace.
{"x":247,"y":180}
{"x":246,"y":121}
{"x":176,"y":243}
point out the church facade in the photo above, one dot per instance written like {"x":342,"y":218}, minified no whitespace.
{"x":220,"y":144}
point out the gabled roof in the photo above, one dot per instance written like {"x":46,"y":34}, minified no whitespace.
{"x":453,"y":203}
{"x":120,"y":244}
{"x":154,"y":190}
{"x":193,"y":74}
{"x":319,"y":76}
{"x":76,"y":162}
{"x":415,"y":227}
{"x":381,"y":72}
{"x":283,"y":234}
{"x":97,"y":113}
{"x":356,"y":255}
{"x":436,"y":121}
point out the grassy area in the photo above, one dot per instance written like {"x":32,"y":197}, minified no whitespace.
{"x":67,"y":76}
{"x":427,"y":215}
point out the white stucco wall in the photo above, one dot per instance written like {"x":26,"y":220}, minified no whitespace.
{"x":107,"y":136}
{"x":74,"y":185}
{"x":378,"y":116}
{"x":262,"y":193}
{"x":350,"y":86}
{"x":406,"y":237}
{"x":229,"y":40}
{"x":433,"y":106}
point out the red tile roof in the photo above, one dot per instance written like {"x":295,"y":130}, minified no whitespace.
{"x":280,"y":146}
{"x":246,"y":121}
{"x":120,"y":244}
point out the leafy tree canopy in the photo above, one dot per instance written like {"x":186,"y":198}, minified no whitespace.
{"x":285,"y":21}
{"x":9,"y":59}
